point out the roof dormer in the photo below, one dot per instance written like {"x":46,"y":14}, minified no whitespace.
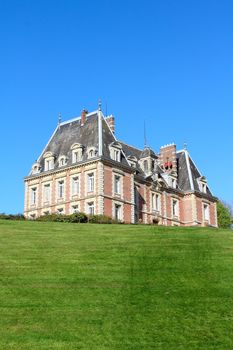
{"x":115,"y":149}
{"x":49,"y":159}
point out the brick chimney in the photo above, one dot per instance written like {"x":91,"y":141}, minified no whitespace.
{"x":83,"y":116}
{"x":168,"y":158}
{"x":111,"y":122}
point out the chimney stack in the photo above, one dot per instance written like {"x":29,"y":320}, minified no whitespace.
{"x":168,"y":158}
{"x":111,"y":122}
{"x":83,"y":116}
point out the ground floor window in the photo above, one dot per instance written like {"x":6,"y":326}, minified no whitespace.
{"x":60,"y":211}
{"x":75,"y":209}
{"x":175,"y":207}
{"x":118,"y":212}
{"x":90,"y":208}
{"x":206,"y":212}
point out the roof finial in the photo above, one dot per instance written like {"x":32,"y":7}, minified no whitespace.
{"x":59,"y":119}
{"x":145,"y":140}
{"x":100,"y":104}
{"x":185,"y":146}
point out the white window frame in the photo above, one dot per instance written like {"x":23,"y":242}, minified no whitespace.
{"x":175,"y":209}
{"x":155,"y":201}
{"x":33,"y":196}
{"x":117,"y":180}
{"x":62,"y":161}
{"x":206,"y":212}
{"x":118,"y":211}
{"x":60,"y":189}
{"x":90,"y":208}
{"x":75,"y":185}
{"x":90,"y":182}
{"x":60,"y":211}
{"x":74,"y":208}
{"x":46,"y":193}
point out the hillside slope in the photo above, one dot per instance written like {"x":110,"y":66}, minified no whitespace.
{"x":74,"y":286}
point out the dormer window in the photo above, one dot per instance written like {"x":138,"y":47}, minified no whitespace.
{"x":132,"y":161}
{"x":62,"y":161}
{"x":145,"y":166}
{"x":48,"y":161}
{"x":173,"y":183}
{"x":202,"y":184}
{"x":91,"y":152}
{"x":115,"y":151}
{"x":77,"y":152}
{"x":36,"y":168}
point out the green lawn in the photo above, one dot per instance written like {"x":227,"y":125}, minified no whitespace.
{"x":80,"y":286}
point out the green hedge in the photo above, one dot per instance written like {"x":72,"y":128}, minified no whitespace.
{"x":4,"y":216}
{"x":76,"y":218}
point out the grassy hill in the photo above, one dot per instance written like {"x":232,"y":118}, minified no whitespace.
{"x":80,"y":286}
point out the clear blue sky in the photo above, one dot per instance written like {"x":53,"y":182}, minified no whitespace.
{"x":168,"y":62}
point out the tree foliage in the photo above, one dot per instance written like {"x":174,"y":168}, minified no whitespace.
{"x":224,"y":213}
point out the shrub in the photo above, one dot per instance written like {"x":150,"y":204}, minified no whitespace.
{"x":75,"y":218}
{"x":224,"y":215}
{"x":101,"y":219}
{"x":17,"y":217}
{"x":78,"y":217}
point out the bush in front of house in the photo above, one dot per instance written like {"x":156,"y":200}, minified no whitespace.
{"x":17,"y":217}
{"x":101,"y":219}
{"x":74,"y":218}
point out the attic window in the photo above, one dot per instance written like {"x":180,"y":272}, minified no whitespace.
{"x":36,"y":168}
{"x":77,"y":152}
{"x":173,"y":183}
{"x":48,"y":161}
{"x":115,"y":151}
{"x":62,"y":161}
{"x":91,"y":152}
{"x":202,"y":184}
{"x":145,"y":166}
{"x":132,"y":161}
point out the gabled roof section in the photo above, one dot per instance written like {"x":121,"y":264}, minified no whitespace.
{"x":184,"y":180}
{"x":188,"y":173}
{"x":148,"y":152}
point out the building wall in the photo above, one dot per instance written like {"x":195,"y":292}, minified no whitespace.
{"x":135,"y":197}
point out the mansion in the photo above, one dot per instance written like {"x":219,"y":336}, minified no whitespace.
{"x":85,"y":168}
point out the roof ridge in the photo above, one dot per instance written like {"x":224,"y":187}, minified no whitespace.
{"x":77,"y":118}
{"x":130,"y":146}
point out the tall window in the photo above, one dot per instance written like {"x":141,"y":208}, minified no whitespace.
{"x":117,"y":184}
{"x":33,"y":195}
{"x":75,"y":186}
{"x":90,"y":208}
{"x":206,"y":212}
{"x":203,"y":187}
{"x":173,"y":183}
{"x":61,"y":189}
{"x":47,"y":193}
{"x":118,"y":212}
{"x":48,"y":164}
{"x":116,"y":155}
{"x":145,"y":164}
{"x":76,"y":155}
{"x":90,"y":182}
{"x":155,"y":202}
{"x":175,"y":207}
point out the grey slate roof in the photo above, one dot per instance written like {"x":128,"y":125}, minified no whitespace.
{"x":71,"y":132}
{"x":68,"y":134}
{"x":148,"y":152}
